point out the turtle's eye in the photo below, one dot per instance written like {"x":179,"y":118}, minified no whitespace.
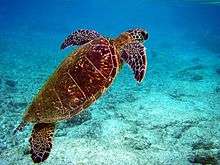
{"x":144,"y":34}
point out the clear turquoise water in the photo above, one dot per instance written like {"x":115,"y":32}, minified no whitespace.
{"x":171,"y":118}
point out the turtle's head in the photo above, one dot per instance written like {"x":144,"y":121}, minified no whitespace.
{"x":137,"y":34}
{"x":132,"y":35}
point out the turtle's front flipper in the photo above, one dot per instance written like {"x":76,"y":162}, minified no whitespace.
{"x":41,"y":141}
{"x":135,"y":55}
{"x":80,"y":37}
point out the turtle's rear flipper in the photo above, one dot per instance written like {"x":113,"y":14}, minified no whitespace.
{"x":135,"y":55}
{"x":80,"y":37}
{"x":41,"y":141}
{"x":19,"y":127}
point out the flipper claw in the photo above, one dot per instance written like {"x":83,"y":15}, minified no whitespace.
{"x":20,"y":127}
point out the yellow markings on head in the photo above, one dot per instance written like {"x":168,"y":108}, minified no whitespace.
{"x":123,"y":39}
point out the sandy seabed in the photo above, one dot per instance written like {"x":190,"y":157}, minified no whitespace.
{"x":173,"y":117}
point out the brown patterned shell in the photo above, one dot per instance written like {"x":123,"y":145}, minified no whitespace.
{"x":78,"y":82}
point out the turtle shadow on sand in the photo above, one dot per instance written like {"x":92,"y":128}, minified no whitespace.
{"x":192,"y":74}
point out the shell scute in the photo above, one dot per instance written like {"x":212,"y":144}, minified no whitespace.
{"x":78,"y":82}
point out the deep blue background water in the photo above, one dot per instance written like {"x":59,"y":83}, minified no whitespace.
{"x":168,"y":20}
{"x":110,"y":17}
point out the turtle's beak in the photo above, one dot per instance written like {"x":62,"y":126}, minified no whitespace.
{"x":63,"y":46}
{"x":145,"y":35}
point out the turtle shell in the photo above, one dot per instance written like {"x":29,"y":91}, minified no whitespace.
{"x":79,"y":81}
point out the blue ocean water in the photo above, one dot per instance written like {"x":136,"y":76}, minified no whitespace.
{"x":172,"y":117}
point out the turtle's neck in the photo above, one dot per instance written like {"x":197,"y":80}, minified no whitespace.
{"x":123,"y":39}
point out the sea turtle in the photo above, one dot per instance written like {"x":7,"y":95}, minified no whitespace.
{"x":80,"y":80}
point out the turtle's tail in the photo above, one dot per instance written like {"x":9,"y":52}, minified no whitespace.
{"x":20,"y":127}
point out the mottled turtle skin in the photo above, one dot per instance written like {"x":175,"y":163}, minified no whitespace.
{"x":80,"y":80}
